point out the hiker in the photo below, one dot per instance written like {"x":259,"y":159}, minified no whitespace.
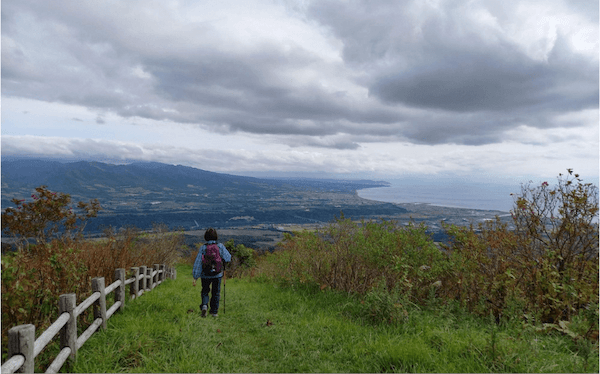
{"x":209,"y":267}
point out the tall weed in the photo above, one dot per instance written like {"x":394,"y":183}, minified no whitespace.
{"x":542,"y":273}
{"x":545,"y":269}
{"x":356,"y":257}
{"x":34,"y":278}
{"x":243,"y":259}
{"x":486,"y":267}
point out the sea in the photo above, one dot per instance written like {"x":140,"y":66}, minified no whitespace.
{"x":448,"y":193}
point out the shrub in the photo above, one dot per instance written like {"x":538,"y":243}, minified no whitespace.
{"x":544,"y":270}
{"x":242,"y":258}
{"x":354,"y":258}
{"x":546,"y":267}
{"x":557,"y":230}
{"x":486,"y":267}
{"x":32,"y":282}
{"x":50,"y":215}
{"x":34,"y":277}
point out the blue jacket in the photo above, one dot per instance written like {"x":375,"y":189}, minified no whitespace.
{"x":225,"y":256}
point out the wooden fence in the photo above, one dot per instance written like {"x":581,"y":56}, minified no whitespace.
{"x":23,"y":348}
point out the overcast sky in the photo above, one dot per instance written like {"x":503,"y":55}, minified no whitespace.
{"x":366,"y":87}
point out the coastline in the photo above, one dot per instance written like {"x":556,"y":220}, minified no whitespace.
{"x":391,"y":194}
{"x":265,"y":237}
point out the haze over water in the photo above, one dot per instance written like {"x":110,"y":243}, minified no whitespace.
{"x":450,"y":193}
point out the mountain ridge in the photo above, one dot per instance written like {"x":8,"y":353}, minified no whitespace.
{"x":141,"y":193}
{"x":55,"y":174}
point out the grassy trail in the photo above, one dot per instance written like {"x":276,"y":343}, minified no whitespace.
{"x":268,"y":329}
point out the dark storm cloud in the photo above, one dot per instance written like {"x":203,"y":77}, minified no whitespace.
{"x":433,"y":74}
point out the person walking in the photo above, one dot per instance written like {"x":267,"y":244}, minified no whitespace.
{"x":209,"y":267}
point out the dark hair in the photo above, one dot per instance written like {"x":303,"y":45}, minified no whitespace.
{"x":211,"y":234}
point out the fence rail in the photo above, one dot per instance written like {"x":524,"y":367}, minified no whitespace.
{"x":23,"y":347}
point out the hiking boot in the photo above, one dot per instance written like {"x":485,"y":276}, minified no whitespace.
{"x":204,"y":310}
{"x":214,"y":315}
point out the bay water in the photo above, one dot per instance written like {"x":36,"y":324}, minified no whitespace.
{"x":448,"y":193}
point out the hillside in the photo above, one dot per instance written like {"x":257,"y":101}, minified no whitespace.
{"x":140,"y":194}
{"x":265,"y":328}
{"x":83,"y":177}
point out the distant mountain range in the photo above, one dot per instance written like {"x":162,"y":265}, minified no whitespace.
{"x":97,"y":180}
{"x":141,"y":192}
{"x":79,"y":177}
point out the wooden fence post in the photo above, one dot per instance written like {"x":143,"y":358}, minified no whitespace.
{"x":120,"y":291}
{"x":155,"y":278}
{"x":100,"y":304}
{"x":68,"y":334}
{"x":143,"y":280}
{"x":135,"y":285}
{"x":20,"y":342}
{"x":21,"y":339}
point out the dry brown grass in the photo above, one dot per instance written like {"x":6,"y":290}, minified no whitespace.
{"x":34,"y":278}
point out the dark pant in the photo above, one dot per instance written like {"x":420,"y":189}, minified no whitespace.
{"x":215,"y":284}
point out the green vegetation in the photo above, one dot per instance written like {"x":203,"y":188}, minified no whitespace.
{"x":243,"y":259}
{"x":268,"y":328}
{"x":544,"y":271}
{"x":32,"y":280}
{"x":49,"y":216}
{"x":62,"y":261}
{"x":354,"y":297}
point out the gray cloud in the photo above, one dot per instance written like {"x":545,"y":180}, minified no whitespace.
{"x":477,"y":82}
{"x":498,"y":80}
{"x":408,"y":71}
{"x":343,"y":142}
{"x":116,"y":152}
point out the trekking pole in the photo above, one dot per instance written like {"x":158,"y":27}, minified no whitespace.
{"x":224,"y":291}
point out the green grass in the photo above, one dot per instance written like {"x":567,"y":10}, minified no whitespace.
{"x":312,"y":331}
